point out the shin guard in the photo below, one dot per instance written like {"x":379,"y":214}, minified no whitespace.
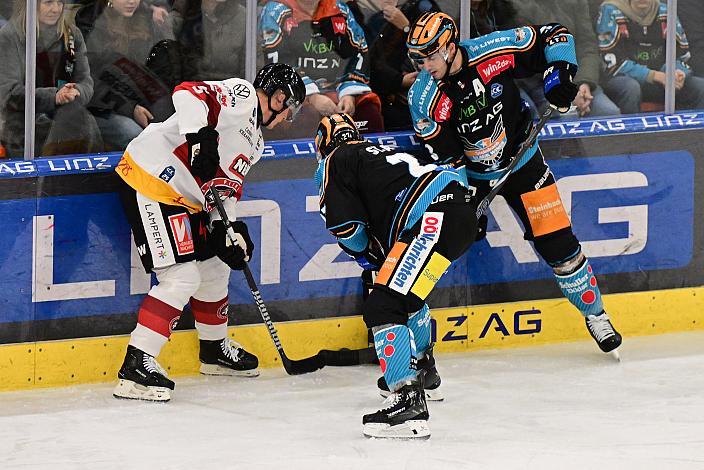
{"x":419,"y":324}
{"x":396,"y":350}
{"x":581,"y":289}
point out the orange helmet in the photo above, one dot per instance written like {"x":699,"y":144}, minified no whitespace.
{"x":430,"y":32}
{"x":333,"y":131}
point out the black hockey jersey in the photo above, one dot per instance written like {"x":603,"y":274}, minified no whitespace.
{"x":477,"y":117}
{"x":368,"y":189}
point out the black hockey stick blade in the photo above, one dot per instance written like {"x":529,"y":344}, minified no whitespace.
{"x":525,"y":146}
{"x":348,"y":357}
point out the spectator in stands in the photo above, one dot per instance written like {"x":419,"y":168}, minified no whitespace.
{"x":63,"y":84}
{"x":632,"y":43}
{"x":323,"y":40}
{"x":5,"y":12}
{"x":128,"y":96}
{"x":214,"y":38}
{"x":691,"y":13}
{"x":573,"y":14}
{"x":488,"y":16}
{"x":392,"y":72}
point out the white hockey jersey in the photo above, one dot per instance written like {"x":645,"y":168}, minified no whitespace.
{"x":156,"y":163}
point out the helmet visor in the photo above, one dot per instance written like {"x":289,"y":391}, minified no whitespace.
{"x":294,"y":106}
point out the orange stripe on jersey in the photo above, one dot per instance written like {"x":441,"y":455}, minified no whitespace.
{"x":153,"y":188}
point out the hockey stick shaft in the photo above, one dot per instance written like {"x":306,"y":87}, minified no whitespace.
{"x":291,"y":367}
{"x":525,"y":146}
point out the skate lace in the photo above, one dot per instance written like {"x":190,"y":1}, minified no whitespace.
{"x":391,"y":401}
{"x":150,"y":364}
{"x":231,"y":349}
{"x":600,"y":327}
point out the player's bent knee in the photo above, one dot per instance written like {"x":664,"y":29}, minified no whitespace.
{"x":383,"y":307}
{"x":557,"y":247}
{"x":177,"y":283}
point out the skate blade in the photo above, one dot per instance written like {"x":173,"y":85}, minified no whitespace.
{"x":134,"y":391}
{"x":430,"y":395}
{"x":615,"y":354}
{"x":412,"y":429}
{"x":215,"y":369}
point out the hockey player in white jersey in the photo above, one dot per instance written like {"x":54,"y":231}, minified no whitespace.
{"x":210,"y":142}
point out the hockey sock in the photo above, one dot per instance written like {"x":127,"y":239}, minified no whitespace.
{"x":581,"y":289}
{"x":419,"y":324}
{"x":155,"y":321}
{"x":210,"y":318}
{"x":396,"y":350}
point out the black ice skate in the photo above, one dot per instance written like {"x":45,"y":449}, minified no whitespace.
{"x":604,"y":333}
{"x":404,"y":416}
{"x":431,"y":379}
{"x":227,"y":357}
{"x":142,"y":378}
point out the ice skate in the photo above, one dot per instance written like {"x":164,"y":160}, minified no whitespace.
{"x":227,"y":357}
{"x":142,"y":378}
{"x":431,"y":379}
{"x":604,"y":334}
{"x":404,"y":416}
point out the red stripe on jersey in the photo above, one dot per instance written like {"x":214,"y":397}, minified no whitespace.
{"x":207,"y":94}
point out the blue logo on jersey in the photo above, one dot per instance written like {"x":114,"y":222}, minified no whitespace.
{"x":496,"y":90}
{"x":168,"y":173}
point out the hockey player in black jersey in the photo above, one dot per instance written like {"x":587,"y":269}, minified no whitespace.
{"x":409,"y":222}
{"x":467,"y":110}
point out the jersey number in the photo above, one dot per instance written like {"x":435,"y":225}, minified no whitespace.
{"x":414,"y":167}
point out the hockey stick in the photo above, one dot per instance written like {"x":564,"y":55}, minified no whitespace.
{"x":292,"y":367}
{"x":527,"y":144}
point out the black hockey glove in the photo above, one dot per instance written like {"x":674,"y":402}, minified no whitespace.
{"x":481,"y":228}
{"x":559,"y":88}
{"x":203,"y":152}
{"x":371,"y":258}
{"x":235,"y":256}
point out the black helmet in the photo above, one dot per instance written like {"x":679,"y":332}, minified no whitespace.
{"x":278,"y":76}
{"x":333,"y":131}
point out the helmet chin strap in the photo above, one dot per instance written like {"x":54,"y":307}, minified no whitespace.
{"x":274,"y":113}
{"x":448,"y":61}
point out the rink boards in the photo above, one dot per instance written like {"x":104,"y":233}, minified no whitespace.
{"x":73,"y":283}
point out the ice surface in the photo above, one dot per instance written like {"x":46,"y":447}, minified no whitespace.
{"x":564,"y":406}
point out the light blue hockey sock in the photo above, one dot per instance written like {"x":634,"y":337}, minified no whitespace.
{"x":419,"y":324}
{"x":581,"y":289}
{"x":396,"y":350}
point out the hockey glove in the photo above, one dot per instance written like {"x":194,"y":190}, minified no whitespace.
{"x":235,"y":256}
{"x":481,"y":228}
{"x":203,"y":152}
{"x":371,"y":258}
{"x":559,"y":88}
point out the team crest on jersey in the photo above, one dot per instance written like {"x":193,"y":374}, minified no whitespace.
{"x":422,"y":124}
{"x":487,"y":151}
{"x":520,"y":34}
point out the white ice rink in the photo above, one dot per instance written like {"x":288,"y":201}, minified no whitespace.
{"x":563,"y":407}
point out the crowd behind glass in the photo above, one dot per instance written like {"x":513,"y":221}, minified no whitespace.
{"x":105,"y":68}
